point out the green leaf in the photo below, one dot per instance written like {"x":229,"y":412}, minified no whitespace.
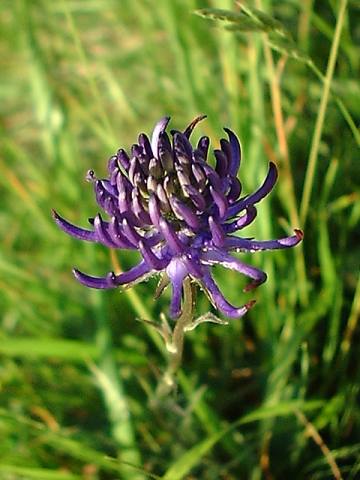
{"x":36,"y":473}
{"x":192,"y":457}
{"x":70,"y":350}
{"x":62,"y":442}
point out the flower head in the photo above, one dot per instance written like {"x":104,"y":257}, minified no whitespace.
{"x":166,"y":201}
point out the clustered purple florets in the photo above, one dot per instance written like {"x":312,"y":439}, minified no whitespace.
{"x":165,"y":201}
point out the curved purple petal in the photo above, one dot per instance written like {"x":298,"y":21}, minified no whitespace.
{"x":183,"y":177}
{"x":199,"y":175}
{"x":133,"y":169}
{"x":182,"y":146}
{"x":196,"y":197}
{"x":112,"y":164}
{"x":117,"y":236}
{"x":150,"y":258}
{"x":203,"y":146}
{"x":73,"y":230}
{"x":219,"y":301}
{"x":155,"y":168}
{"x":138,"y":208}
{"x":153,"y":238}
{"x":106,"y":186}
{"x":146,"y":146}
{"x":243,"y":221}
{"x":163,"y":198}
{"x":220,"y":201}
{"x":165,"y":153}
{"x":154,"y":210}
{"x":192,"y":125}
{"x":130,"y":232}
{"x":235,"y":152}
{"x":217,"y":232}
{"x":237,"y":243}
{"x":101,"y":194}
{"x":123,"y":158}
{"x":136,"y":150}
{"x":123,"y":186}
{"x":235,"y":190}
{"x":226,"y":149}
{"x":183,"y":212}
{"x":93,"y":282}
{"x":151,"y":184}
{"x":113,"y":176}
{"x":212,"y":176}
{"x":134,"y":275}
{"x":255,"y":197}
{"x":176,"y":271}
{"x":159,"y":127}
{"x":172,"y":240}
{"x":227,"y":261}
{"x":193,"y":265}
{"x":101,"y":232}
{"x":221,"y":167}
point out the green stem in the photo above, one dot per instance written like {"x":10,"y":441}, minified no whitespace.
{"x":175,"y":345}
{"x":345,"y":112}
{"x":313,"y":157}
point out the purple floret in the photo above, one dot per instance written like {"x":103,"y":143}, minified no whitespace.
{"x":166,"y":201}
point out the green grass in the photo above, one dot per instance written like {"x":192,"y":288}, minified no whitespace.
{"x":274,"y":395}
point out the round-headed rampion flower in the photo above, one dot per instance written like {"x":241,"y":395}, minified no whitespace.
{"x":165,"y":201}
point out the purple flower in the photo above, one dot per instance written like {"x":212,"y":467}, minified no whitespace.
{"x":166,"y":201}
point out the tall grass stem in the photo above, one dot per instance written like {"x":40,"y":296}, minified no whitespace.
{"x":315,"y":144}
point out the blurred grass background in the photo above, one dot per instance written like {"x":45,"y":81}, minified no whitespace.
{"x":270,"y":396}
